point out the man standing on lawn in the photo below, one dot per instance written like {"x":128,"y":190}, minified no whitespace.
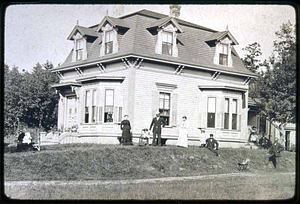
{"x":274,"y":152}
{"x":212,"y":144}
{"x":157,"y":124}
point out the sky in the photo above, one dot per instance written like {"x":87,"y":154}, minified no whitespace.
{"x":37,"y":33}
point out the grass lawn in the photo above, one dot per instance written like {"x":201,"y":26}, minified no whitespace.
{"x":76,"y":162}
{"x":265,"y":186}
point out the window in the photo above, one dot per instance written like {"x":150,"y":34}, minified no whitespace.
{"x":90,"y":106}
{"x":167,"y":43}
{"x":164,"y":106}
{"x":79,"y":49}
{"x":109,"y":42}
{"x":87,"y":105}
{"x":94,"y":108}
{"x":211,"y":111}
{"x":226,"y":114}
{"x":223,"y":58}
{"x":234,"y":114}
{"x":109,"y":106}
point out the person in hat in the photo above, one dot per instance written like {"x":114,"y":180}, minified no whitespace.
{"x":212,"y":144}
{"x":274,"y":153}
{"x":157,"y":123}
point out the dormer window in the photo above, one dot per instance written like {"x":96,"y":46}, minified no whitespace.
{"x":167,"y":43}
{"x":109,"y":36}
{"x":223,"y":58}
{"x":166,"y":30}
{"x":79,"y":49}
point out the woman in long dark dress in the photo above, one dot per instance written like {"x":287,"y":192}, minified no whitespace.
{"x":126,"y":134}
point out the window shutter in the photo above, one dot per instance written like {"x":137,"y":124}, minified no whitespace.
{"x":174,"y":109}
{"x":222,"y":120}
{"x":155,"y":102}
{"x":120,"y":114}
{"x":218,"y":120}
{"x":158,"y":47}
{"x":100,"y":113}
{"x":115,"y":114}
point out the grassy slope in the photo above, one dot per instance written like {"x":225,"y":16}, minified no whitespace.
{"x":91,"y":161}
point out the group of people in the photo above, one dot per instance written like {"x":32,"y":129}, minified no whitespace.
{"x":156,"y":125}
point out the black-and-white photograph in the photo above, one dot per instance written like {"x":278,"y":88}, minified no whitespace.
{"x":149,"y":102}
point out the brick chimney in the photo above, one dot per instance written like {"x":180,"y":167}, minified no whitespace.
{"x":175,"y":10}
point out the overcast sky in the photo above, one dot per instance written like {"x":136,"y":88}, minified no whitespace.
{"x":36,"y":33}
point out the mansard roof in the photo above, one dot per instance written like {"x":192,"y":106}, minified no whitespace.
{"x":193,"y":48}
{"x":84,"y":31}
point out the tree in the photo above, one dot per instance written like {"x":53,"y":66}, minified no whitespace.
{"x":250,"y":60}
{"x":253,"y":64}
{"x":12,"y":112}
{"x":30,"y":98}
{"x":39,"y":99}
{"x":279,"y":89}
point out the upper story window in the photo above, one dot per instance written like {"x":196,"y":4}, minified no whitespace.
{"x":109,"y":42}
{"x":223,"y":51}
{"x":79,"y":49}
{"x":167,"y":43}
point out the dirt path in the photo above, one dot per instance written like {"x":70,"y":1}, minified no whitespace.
{"x":153,"y":180}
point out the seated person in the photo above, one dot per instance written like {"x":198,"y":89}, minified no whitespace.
{"x":212,"y":145}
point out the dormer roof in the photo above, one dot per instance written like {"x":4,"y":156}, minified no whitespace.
{"x":163,"y":21}
{"x":114,"y":22}
{"x":84,"y":31}
{"x":221,"y":35}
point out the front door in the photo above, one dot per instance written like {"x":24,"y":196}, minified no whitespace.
{"x":287,"y":140}
{"x":71,"y":111}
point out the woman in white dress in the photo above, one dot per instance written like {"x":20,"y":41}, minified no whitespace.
{"x":182,"y":138}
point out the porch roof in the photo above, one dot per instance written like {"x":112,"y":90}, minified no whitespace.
{"x":223,"y":87}
{"x":92,"y":78}
{"x":65,"y":84}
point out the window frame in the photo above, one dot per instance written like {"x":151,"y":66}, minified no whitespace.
{"x":223,"y":55}
{"x":165,"y":110}
{"x":234,"y":115}
{"x":90,"y":110}
{"x":166,"y":45}
{"x":226,"y":114}
{"x":109,"y":106}
{"x":211,"y":113}
{"x":79,"y":49}
{"x":109,"y":42}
